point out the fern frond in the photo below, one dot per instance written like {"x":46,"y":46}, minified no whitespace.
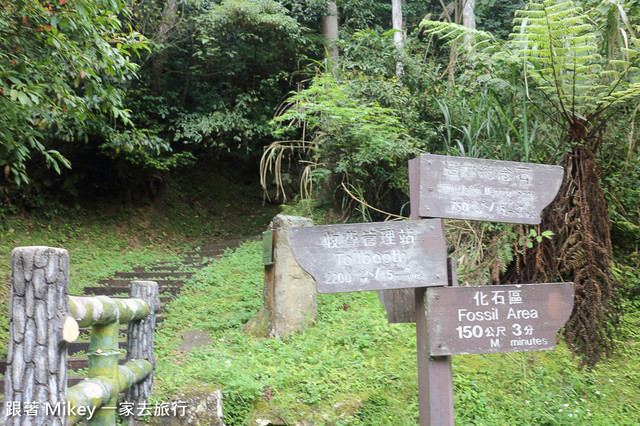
{"x":483,"y":42}
{"x":560,"y":48}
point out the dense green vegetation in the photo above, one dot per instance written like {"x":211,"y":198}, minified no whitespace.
{"x":103,"y":238}
{"x":133,"y":130}
{"x":353,"y":368}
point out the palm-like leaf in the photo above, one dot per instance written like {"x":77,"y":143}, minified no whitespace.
{"x":560,"y":49}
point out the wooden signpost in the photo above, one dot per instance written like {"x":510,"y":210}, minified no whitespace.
{"x":407,"y":262}
{"x":372,"y":256}
{"x":489,"y":319}
{"x":487,"y":190}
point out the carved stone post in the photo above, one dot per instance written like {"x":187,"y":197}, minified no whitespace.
{"x":36,"y":376}
{"x":140,"y":340}
{"x":290,"y":296}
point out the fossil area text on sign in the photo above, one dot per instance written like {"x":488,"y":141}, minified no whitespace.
{"x":504,"y":318}
{"x":490,"y":190}
{"x":372,"y":256}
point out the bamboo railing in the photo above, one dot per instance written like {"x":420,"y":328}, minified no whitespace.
{"x":44,"y":319}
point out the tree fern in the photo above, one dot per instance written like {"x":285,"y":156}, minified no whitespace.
{"x":580,"y":84}
{"x":560,"y":49}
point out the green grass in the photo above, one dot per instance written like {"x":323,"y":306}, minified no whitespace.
{"x":354,"y":368}
{"x":110,"y":237}
{"x":350,"y":368}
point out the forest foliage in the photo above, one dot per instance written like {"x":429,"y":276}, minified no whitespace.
{"x":108,"y":97}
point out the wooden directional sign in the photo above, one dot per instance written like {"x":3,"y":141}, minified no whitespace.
{"x":488,"y":190}
{"x":505,"y":318}
{"x":372,"y":256}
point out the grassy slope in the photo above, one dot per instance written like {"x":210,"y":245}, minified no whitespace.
{"x":107,"y":238}
{"x":354,"y":368}
{"x":350,"y":368}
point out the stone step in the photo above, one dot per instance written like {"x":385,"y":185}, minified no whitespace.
{"x":152,"y":276}
{"x":112,"y":290}
{"x":169,"y":268}
{"x":127,"y":283}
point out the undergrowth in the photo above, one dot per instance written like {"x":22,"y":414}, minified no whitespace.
{"x":353,"y":368}
{"x":105,"y":237}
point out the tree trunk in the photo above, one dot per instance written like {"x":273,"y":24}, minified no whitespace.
{"x":580,"y":251}
{"x":469,"y":20}
{"x":167,"y":22}
{"x":329,"y":24}
{"x":398,"y":36}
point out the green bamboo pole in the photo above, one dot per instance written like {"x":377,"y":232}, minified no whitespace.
{"x":104,"y":310}
{"x":89,"y":395}
{"x":103,"y":361}
{"x":106,"y":379}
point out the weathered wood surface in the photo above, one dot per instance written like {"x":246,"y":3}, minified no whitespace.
{"x":487,"y":190}
{"x":435,"y":376}
{"x":37,"y":354}
{"x":491,"y":319}
{"x":400,"y":303}
{"x":372,"y":256}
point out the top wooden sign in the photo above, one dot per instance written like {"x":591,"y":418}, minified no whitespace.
{"x":488,"y":190}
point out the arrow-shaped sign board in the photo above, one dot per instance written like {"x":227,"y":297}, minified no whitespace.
{"x":502,"y":318}
{"x":372,"y":256}
{"x":488,"y":190}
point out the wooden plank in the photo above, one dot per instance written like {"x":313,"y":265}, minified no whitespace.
{"x":491,"y":319}
{"x":435,"y":376}
{"x":488,"y":190}
{"x":400,"y":303}
{"x":372,"y":256}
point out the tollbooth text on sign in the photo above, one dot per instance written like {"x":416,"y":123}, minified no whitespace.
{"x":503,"y":318}
{"x":490,"y":190}
{"x":372,"y":256}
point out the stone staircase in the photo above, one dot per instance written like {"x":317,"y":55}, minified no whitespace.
{"x":170,"y":276}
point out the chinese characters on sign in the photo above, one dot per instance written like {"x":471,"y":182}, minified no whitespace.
{"x":491,"y":190}
{"x":372,"y":256}
{"x":506,"y":318}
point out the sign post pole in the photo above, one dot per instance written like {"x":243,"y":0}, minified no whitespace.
{"x":406,"y":262}
{"x":435,"y":376}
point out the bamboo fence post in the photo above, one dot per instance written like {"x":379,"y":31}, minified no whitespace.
{"x":140,"y":341}
{"x":103,"y":361}
{"x":37,"y":358}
